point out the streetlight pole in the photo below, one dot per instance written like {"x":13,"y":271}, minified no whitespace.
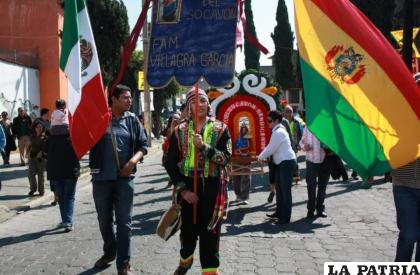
{"x":147,"y":114}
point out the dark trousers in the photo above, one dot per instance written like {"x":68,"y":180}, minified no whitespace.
{"x":284,"y":180}
{"x":317,"y":176}
{"x":407,"y":204}
{"x":115,"y":196}
{"x":190,"y":233}
{"x":36,"y":169}
{"x":241,"y":186}
{"x":6,"y":156}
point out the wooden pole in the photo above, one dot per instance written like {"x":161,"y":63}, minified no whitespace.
{"x":146,"y":108}
{"x":195,"y":151}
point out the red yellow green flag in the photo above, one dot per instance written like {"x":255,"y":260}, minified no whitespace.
{"x":361,"y":100}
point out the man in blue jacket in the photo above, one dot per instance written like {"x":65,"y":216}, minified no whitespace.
{"x":113,"y":163}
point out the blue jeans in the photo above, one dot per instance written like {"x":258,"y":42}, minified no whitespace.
{"x":115,"y":196}
{"x":284,"y":181}
{"x":407,"y":204}
{"x":66,"y":190}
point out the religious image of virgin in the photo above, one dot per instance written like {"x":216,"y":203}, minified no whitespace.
{"x":168,"y":11}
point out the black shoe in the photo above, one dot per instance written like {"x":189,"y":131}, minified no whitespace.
{"x":281,"y":222}
{"x":310,"y":215}
{"x":125,"y":269}
{"x":31,"y":193}
{"x":54,"y":203}
{"x":321,"y":214}
{"x":181,"y":270}
{"x":270,"y":197}
{"x":273,"y":216}
{"x":104,"y":261}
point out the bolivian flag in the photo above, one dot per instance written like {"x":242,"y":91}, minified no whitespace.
{"x":361,"y":100}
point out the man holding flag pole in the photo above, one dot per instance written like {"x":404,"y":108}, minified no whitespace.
{"x":115,"y":154}
{"x":207,"y":140}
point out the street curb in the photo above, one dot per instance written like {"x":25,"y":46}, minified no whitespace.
{"x":84,"y":171}
{"x":49,"y":196}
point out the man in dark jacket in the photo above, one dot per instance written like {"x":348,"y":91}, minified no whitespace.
{"x":21,"y":129}
{"x":113,"y":163}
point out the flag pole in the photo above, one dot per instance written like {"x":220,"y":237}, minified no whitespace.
{"x":195,"y":151}
{"x":146,"y":91}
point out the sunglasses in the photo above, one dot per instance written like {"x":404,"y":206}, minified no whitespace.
{"x":269,"y":120}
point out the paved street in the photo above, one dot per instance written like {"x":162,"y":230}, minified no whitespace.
{"x":360,"y":227}
{"x":14,"y":194}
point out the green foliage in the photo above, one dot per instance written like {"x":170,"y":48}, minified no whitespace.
{"x":130,"y":77}
{"x":380,"y":12}
{"x":110,"y":28}
{"x":252,"y":55}
{"x":283,"y":42}
{"x":159,"y":100}
{"x":164,"y":93}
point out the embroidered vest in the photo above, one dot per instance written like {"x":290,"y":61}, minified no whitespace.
{"x":211,"y":134}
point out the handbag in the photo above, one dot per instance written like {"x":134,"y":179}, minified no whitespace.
{"x":170,"y":222}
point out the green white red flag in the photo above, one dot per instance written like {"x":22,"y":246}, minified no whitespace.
{"x":89,"y":115}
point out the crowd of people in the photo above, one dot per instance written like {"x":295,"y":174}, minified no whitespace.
{"x":196,"y":150}
{"x":45,"y":147}
{"x":289,"y":135}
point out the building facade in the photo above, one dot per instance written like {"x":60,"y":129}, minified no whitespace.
{"x":29,"y":37}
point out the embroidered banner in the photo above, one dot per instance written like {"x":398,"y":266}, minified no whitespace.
{"x":190,"y":39}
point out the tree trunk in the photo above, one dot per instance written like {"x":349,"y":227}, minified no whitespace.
{"x":407,"y":50}
{"x":157,"y":124}
{"x":174,"y":104}
{"x":158,"y":104}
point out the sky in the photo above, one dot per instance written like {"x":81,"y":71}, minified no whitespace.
{"x":264,"y":19}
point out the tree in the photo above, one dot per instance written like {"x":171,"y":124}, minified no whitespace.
{"x":252,"y":55}
{"x":380,"y":12}
{"x":130,"y":77}
{"x":110,"y":28}
{"x":407,"y":50}
{"x":283,"y":42}
{"x":159,"y":101}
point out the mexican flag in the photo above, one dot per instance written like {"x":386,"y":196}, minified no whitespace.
{"x":87,"y":102}
{"x":361,"y":100}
